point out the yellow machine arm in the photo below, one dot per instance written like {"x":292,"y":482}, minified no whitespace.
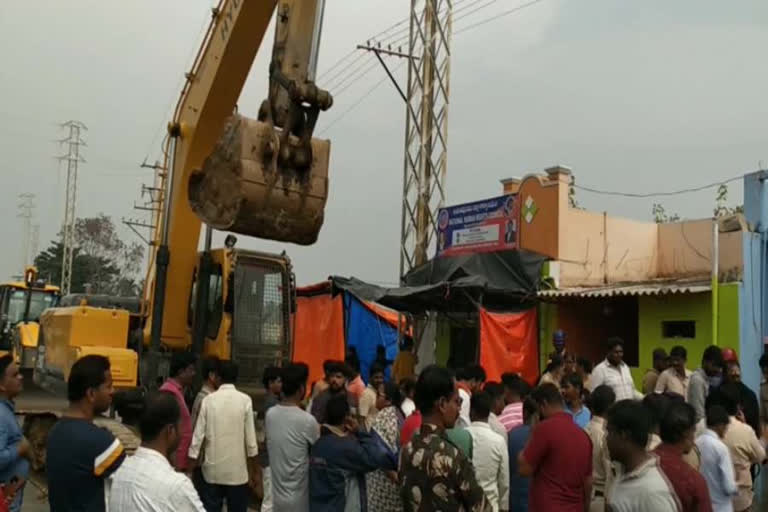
{"x":282,"y":176}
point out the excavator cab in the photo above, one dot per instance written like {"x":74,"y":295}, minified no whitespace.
{"x":248,"y":305}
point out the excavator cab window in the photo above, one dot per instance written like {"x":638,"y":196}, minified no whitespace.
{"x":215,"y":302}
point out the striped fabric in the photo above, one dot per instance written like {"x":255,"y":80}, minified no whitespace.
{"x":512,"y":416}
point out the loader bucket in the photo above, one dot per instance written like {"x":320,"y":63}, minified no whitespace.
{"x":241,"y":189}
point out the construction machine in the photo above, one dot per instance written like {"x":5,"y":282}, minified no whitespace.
{"x":266,"y":178}
{"x":21,"y":304}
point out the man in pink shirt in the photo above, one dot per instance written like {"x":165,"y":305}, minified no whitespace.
{"x":515,"y":391}
{"x":182,"y":377}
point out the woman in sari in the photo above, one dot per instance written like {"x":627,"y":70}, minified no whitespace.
{"x":382,"y":488}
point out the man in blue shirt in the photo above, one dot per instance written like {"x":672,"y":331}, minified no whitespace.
{"x":14,"y":448}
{"x":517,"y":439}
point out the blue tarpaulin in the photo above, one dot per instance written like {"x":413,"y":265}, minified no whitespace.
{"x":365,"y":331}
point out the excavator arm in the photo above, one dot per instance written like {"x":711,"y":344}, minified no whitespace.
{"x":277,"y":179}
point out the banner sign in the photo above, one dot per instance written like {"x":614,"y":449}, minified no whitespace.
{"x":482,"y":226}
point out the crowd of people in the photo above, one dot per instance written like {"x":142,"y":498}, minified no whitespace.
{"x":579,"y":439}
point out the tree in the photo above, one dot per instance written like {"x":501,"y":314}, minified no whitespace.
{"x":660,"y":215}
{"x":721,"y":203}
{"x":101,"y":259}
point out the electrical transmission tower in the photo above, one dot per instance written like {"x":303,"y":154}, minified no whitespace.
{"x":26,"y":207}
{"x":34,"y":243}
{"x":72,"y":158}
{"x":426,"y":128}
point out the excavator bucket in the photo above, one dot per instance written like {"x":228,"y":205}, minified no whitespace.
{"x":241,"y":188}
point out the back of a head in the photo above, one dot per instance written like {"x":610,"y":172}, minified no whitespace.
{"x":435,"y":382}
{"x":656,"y":404}
{"x":180,"y":361}
{"x":585,"y":364}
{"x":727,"y":395}
{"x":480,"y":405}
{"x":547,"y":394}
{"x":632,"y":419}
{"x":271,"y":374}
{"x":209,"y":366}
{"x":88,"y":372}
{"x":513,"y":383}
{"x":394,"y":394}
{"x":408,"y":385}
{"x":660,"y":354}
{"x":337,"y":409}
{"x":679,"y":352}
{"x":601,"y":399}
{"x":717,"y":416}
{"x":295,"y":376}
{"x":530,"y":407}
{"x":229,"y":372}
{"x":477,"y":373}
{"x":495,"y":389}
{"x":679,"y":418}
{"x":555,"y":362}
{"x":463,"y":374}
{"x":160,"y":410}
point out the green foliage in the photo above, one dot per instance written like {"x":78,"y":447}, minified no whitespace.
{"x":101,"y":260}
{"x":660,"y":215}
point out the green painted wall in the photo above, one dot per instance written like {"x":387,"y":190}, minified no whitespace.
{"x":692,"y":307}
{"x":442,"y":341}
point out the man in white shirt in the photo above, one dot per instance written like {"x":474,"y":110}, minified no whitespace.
{"x":225,"y":427}
{"x":146,"y":482}
{"x":489,"y":454}
{"x":716,"y":464}
{"x":676,"y":378}
{"x":640,"y":485}
{"x":368,"y":406}
{"x":469,"y":380}
{"x":614,"y":372}
{"x":291,"y":432}
{"x":496,"y":390}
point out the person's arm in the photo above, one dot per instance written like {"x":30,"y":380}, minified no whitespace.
{"x":367,"y":401}
{"x":199,"y":435}
{"x":757,"y":452}
{"x":110,"y":455}
{"x":10,"y":453}
{"x":251,"y":443}
{"x":661,"y":384}
{"x":725,"y":465}
{"x":503,"y":477}
{"x":535,"y":450}
{"x":185,"y":498}
{"x":697,"y":397}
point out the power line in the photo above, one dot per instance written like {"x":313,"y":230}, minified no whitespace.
{"x":333,"y":85}
{"x":658,"y":194}
{"x":359,"y":101}
{"x":497,"y":16}
{"x":374,"y":65}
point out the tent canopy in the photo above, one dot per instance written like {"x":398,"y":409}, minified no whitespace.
{"x":499,"y":280}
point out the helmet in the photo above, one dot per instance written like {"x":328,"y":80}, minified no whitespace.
{"x":559,"y":335}
{"x":729,"y":355}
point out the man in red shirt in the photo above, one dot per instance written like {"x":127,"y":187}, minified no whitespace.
{"x":677,"y":428}
{"x":558,"y":457}
{"x":182,"y":377}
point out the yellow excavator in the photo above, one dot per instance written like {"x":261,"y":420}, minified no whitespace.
{"x":266,"y":178}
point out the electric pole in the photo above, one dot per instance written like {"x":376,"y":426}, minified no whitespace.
{"x":426,"y":128}
{"x":26,"y":206}
{"x":34,"y":244}
{"x":72,"y":158}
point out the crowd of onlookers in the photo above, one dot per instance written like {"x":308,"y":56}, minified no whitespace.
{"x":581,"y":438}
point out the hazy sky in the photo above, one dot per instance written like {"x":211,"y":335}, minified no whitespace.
{"x":633,"y":96}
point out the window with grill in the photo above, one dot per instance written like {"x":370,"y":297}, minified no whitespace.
{"x":678,"y":329}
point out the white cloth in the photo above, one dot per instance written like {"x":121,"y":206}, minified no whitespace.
{"x":490,"y":459}
{"x":617,"y":378}
{"x":645,"y":489}
{"x":290,"y":434}
{"x":497,"y":426}
{"x":408,"y":407}
{"x":146,"y":482}
{"x":226,"y":428}
{"x":466,"y":397}
{"x":717,"y":470}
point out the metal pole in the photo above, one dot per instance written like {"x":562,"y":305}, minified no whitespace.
{"x":715,"y":280}
{"x":200,"y":321}
{"x":316,"y":34}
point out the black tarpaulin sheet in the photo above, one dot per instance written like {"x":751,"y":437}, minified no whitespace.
{"x":500,"y":280}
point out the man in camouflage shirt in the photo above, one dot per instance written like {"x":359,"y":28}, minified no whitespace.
{"x":434,"y":473}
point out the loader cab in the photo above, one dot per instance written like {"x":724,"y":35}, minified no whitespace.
{"x":21,"y":304}
{"x":250,"y":298}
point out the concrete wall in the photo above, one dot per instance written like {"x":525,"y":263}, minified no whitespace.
{"x":695,"y":307}
{"x":685,"y":250}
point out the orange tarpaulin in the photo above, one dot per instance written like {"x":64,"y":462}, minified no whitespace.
{"x":319,"y":332}
{"x":508,"y":343}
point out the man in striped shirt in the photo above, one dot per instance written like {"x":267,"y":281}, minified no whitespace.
{"x":515,"y":391}
{"x":81,"y":456}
